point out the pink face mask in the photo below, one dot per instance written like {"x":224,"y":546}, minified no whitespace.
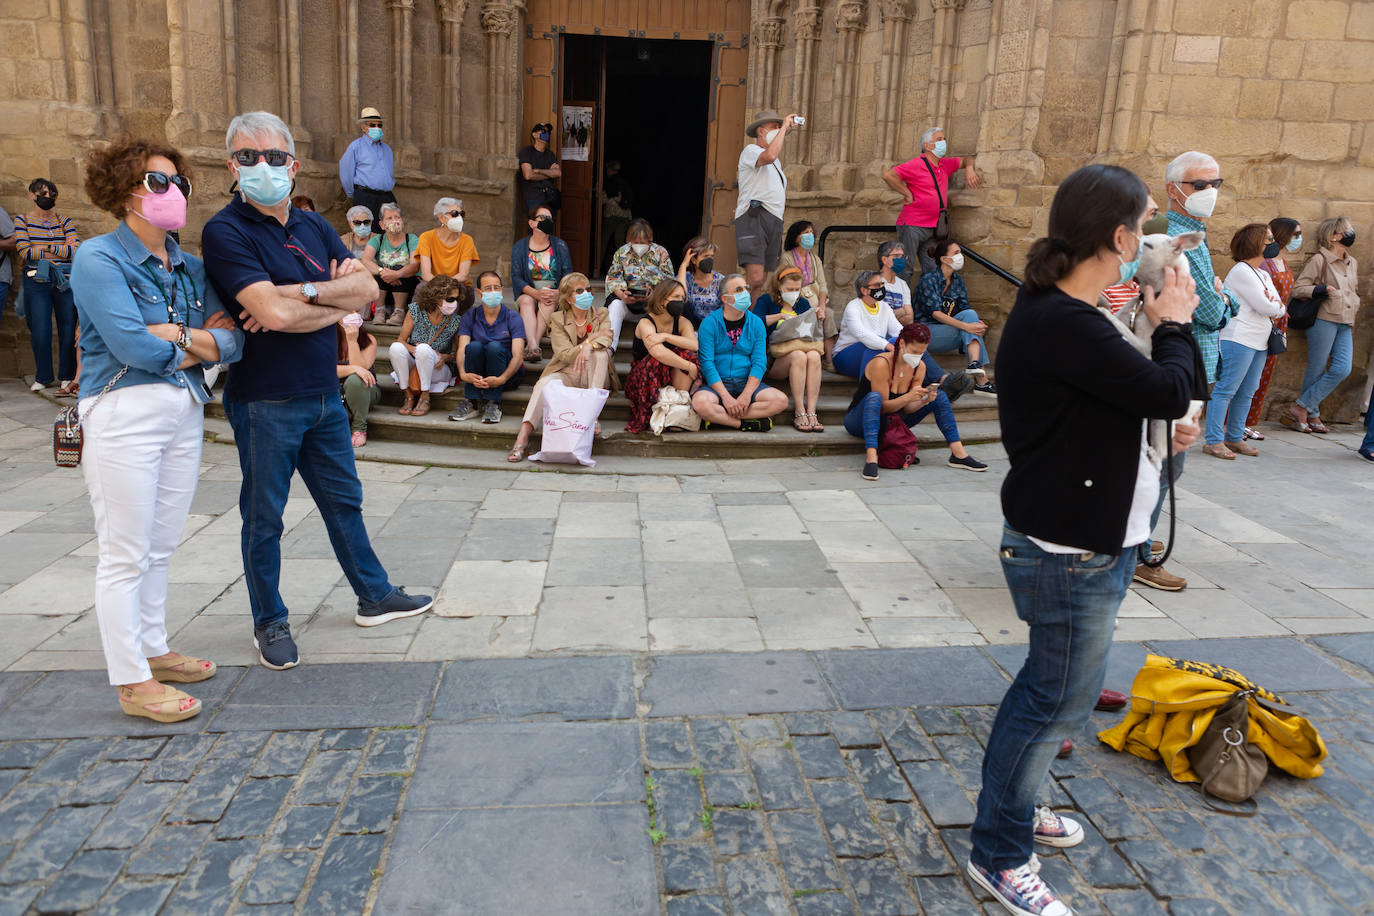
{"x":166,"y":211}
{"x":352,"y":320}
{"x":448,"y":308}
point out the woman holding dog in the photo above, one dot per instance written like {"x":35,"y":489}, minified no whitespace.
{"x":1244,"y":342}
{"x":1077,"y":499}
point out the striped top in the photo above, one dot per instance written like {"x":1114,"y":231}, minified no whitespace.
{"x":27,"y":234}
{"x":1121,"y":295}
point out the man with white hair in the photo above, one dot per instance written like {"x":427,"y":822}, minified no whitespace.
{"x":367,"y":167}
{"x":923,"y":183}
{"x":293,"y":280}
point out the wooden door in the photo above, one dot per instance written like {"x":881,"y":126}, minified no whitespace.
{"x":579,"y":187}
{"x":725,"y":139}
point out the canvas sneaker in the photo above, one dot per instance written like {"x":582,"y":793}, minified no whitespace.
{"x":1054,"y":830}
{"x":1020,"y":890}
{"x":276,"y":648}
{"x":393,"y":607}
{"x":466,"y":410}
{"x":492,"y":413}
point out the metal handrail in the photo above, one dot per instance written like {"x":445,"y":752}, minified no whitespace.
{"x":995,"y":269}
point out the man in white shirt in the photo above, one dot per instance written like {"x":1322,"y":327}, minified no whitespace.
{"x":762,"y":197}
{"x":891,"y":264}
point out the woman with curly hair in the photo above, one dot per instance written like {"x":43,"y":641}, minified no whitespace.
{"x":152,"y":324}
{"x":665,"y":352}
{"x":426,"y":343}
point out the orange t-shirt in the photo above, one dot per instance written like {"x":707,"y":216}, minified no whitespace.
{"x":445,"y":259}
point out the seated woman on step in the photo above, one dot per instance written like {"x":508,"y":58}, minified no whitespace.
{"x":357,"y":353}
{"x":638,"y":266}
{"x":895,"y":382}
{"x":580,"y":334}
{"x":665,"y":353}
{"x":425,"y":344}
{"x":941,"y":304}
{"x":801,"y":365}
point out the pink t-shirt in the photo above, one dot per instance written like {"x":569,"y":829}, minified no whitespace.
{"x":924,"y":209}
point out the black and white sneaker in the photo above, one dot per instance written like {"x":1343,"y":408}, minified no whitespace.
{"x":276,"y":648}
{"x":466,"y":410}
{"x":966,"y":463}
{"x":986,"y":387}
{"x":975,"y":369}
{"x":870,"y":471}
{"x":492,"y":413}
{"x":393,"y":607}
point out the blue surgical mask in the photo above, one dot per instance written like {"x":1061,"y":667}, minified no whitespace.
{"x":806,"y":240}
{"x":898,"y":265}
{"x":1128,"y":268}
{"x":940,"y":148}
{"x":491,"y":298}
{"x":265,"y":185}
{"x":584,"y":299}
{"x":374,"y":134}
{"x":742,"y":300}
{"x":1295,"y":243}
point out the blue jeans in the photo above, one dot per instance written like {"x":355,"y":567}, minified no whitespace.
{"x":866,"y":419}
{"x":43,"y":303}
{"x":1070,"y":602}
{"x":947,"y":339}
{"x":1240,"y":374}
{"x":4,"y":294}
{"x":488,"y":359}
{"x":1367,"y":446}
{"x":853,"y":359}
{"x":1325,"y":340}
{"x":276,"y":439}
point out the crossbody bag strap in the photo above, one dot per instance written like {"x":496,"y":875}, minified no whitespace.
{"x":935,"y":181}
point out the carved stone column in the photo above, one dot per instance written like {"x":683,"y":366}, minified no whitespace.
{"x":942,"y":52}
{"x":289,"y":36}
{"x":806,"y":27}
{"x":1132,"y":37}
{"x":402,"y":13}
{"x":850,"y":18}
{"x":202,"y":72}
{"x":1010,"y":111}
{"x":500,"y":19}
{"x":451,"y":13}
{"x":764,"y":45}
{"x":89,"y":69}
{"x":896,"y":14}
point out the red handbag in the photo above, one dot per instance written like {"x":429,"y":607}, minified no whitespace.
{"x":897,"y":444}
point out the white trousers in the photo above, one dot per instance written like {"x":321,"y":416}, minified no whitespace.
{"x":141,"y":461}
{"x":594,"y":375}
{"x":431,"y":379}
{"x":616,"y":312}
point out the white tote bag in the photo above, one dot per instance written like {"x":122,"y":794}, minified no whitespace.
{"x":569,"y":423}
{"x":673,"y":410}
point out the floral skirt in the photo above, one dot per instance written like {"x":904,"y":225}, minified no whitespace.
{"x":642,"y":385}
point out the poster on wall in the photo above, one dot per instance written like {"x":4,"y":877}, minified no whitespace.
{"x":577,"y":132}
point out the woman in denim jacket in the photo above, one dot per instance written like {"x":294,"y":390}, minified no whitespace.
{"x":150,"y":325}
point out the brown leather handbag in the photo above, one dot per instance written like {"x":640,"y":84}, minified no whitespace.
{"x":1230,"y":767}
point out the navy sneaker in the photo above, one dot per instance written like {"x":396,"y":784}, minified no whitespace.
{"x":1367,"y":456}
{"x":276,"y":648}
{"x":966,"y":463}
{"x":393,"y":607}
{"x":1020,"y":890}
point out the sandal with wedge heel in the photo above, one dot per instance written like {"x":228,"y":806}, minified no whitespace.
{"x":170,"y":706}
{"x":182,"y":669}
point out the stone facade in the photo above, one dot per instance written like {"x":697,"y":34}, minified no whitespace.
{"x":1278,"y":90}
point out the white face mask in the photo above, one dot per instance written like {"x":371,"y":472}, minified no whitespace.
{"x":791,"y":296}
{"x":639,"y":248}
{"x":455,"y":224}
{"x":956,"y":262}
{"x":768,"y":137}
{"x":1201,"y":203}
{"x":911,"y":359}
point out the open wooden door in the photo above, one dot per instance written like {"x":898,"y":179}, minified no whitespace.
{"x":725,"y":135}
{"x":541,"y":87}
{"x":579,"y":178}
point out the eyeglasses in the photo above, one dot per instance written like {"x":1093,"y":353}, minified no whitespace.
{"x":44,"y":192}
{"x":450,"y":298}
{"x":362,"y":222}
{"x":453,"y":213}
{"x":249,"y":157}
{"x":1203,"y":184}
{"x":293,"y":245}
{"x":159,"y":182}
{"x":874,"y":289}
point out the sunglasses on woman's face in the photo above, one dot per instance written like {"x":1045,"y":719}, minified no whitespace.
{"x":362,"y":222}
{"x":450,"y":298}
{"x":453,"y":213}
{"x":159,"y":182}
{"x":1203,"y":184}
{"x":249,"y":157}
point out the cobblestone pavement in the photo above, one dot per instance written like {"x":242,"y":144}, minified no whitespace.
{"x":745,"y":783}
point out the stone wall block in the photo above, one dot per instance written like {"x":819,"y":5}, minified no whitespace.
{"x":34,"y":80}
{"x":1078,"y":18}
{"x":1320,"y":19}
{"x":1204,"y":96}
{"x":1259,"y":98}
{"x":1216,"y":17}
{"x":1197,"y":49}
{"x":1338,"y":61}
{"x":1171,"y":133}
{"x":1353,"y":103}
{"x":1305,"y":100}
{"x":1243,"y":56}
{"x":1350,"y":184}
{"x":19,"y":40}
{"x":1361,"y":22}
{"x":1285,"y":59}
{"x":975,"y":27}
{"x":1316,"y":141}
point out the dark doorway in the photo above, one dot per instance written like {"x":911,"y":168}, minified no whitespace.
{"x":651,"y":101}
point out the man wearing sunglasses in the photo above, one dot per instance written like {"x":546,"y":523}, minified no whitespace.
{"x":367,"y":167}
{"x":292,"y":279}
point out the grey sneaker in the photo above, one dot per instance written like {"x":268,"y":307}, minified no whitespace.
{"x":466,"y":410}
{"x":393,"y":607}
{"x":492,"y":413}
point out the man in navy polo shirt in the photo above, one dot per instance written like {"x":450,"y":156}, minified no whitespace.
{"x":293,"y":280}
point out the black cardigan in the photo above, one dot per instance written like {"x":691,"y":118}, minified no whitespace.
{"x":1071,"y":398}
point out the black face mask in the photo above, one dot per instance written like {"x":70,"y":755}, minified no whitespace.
{"x":877,"y":295}
{"x":545,"y":225}
{"x":706,"y":265}
{"x":1271,"y":250}
{"x":675,"y":308}
{"x":46,"y":203}
{"x":1347,"y":240}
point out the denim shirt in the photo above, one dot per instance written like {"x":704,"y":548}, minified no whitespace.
{"x":120,"y":288}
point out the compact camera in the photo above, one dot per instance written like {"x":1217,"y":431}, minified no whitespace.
{"x":799,"y":121}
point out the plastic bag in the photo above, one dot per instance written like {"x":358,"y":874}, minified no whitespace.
{"x":673,"y":410}
{"x":569,"y":423}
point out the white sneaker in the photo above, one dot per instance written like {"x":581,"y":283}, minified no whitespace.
{"x":37,"y":386}
{"x":1054,"y":830}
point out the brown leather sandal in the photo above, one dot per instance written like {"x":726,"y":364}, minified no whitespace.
{"x":171,"y":706}
{"x":409,"y":406}
{"x":422,"y":407}
{"x":182,"y":669}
